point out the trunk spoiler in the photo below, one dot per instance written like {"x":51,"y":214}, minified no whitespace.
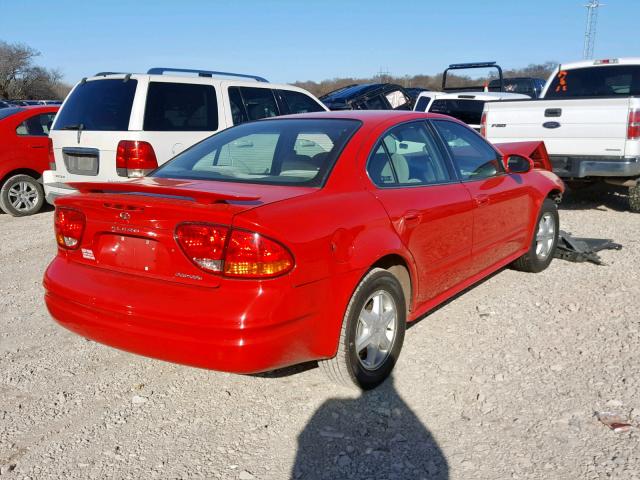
{"x":173,"y":188}
{"x":536,"y":151}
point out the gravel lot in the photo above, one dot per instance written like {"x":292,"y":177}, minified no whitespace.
{"x":502,"y":382}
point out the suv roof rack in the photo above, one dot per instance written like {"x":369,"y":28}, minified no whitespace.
{"x":204,"y":73}
{"x":104,"y":74}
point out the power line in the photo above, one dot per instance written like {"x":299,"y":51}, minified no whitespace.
{"x":590,"y":30}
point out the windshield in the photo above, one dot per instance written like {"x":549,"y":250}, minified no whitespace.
{"x":283,"y":152}
{"x":467,"y":111}
{"x":604,"y":81}
{"x":99,"y":105}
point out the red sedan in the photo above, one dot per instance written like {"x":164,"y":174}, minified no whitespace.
{"x":313,"y":237}
{"x":24,"y":155}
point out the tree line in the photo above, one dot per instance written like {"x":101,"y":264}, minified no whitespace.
{"x":22,"y":79}
{"x":430,"y":82}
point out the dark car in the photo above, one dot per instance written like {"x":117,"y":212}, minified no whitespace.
{"x":4,"y":104}
{"x":369,"y":96}
{"x":525,"y":85}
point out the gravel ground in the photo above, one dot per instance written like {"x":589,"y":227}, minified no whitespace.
{"x":502,"y":382}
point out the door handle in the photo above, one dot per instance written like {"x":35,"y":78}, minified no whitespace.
{"x":38,"y":146}
{"x":482,"y":200}
{"x":553,"y":112}
{"x":411,"y":218}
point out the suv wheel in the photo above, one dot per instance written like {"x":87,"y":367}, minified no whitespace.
{"x":21,"y":195}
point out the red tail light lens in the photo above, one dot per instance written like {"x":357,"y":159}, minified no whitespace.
{"x":483,"y":124}
{"x":203,"y":244}
{"x":633,"y":130}
{"x":52,"y":158}
{"x":234,"y":253}
{"x":69,"y":226}
{"x":135,"y":158}
{"x":251,"y":255}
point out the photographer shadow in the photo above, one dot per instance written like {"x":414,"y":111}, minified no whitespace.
{"x":374,"y":436}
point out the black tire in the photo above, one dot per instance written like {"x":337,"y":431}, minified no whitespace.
{"x":347,"y":368}
{"x":21,"y":209}
{"x":531,"y":261}
{"x":634,"y":198}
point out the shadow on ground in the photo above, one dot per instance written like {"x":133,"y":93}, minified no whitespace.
{"x":596,"y":197}
{"x":374,"y":436}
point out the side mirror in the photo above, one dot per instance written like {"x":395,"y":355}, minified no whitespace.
{"x":518,"y":164}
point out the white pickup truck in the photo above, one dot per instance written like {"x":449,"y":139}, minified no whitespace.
{"x":589,"y":119}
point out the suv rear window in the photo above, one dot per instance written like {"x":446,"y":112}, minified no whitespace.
{"x":298,"y":102}
{"x":180,"y":107}
{"x":283,"y":152}
{"x":604,"y":81}
{"x":99,"y":105}
{"x":467,"y":111}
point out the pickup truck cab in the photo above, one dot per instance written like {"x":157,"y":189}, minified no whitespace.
{"x":115,"y":126}
{"x":466,"y":103}
{"x":589,"y":120}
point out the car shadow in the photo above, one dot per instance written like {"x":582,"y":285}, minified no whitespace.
{"x":596,"y":197}
{"x":375,"y":435}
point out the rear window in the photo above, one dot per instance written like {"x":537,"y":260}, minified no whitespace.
{"x":605,"y":81}
{"x":99,"y":105}
{"x":180,"y":107}
{"x":513,"y":85}
{"x":285,"y":152}
{"x":467,"y":111}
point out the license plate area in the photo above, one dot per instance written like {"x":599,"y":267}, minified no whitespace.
{"x":81,"y":161}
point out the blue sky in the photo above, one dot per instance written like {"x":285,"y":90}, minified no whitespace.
{"x":291,"y":40}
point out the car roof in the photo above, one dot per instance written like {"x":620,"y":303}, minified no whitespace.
{"x":354,"y":90}
{"x":365,"y":116}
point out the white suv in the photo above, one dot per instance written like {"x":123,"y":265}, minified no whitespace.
{"x":114,"y":126}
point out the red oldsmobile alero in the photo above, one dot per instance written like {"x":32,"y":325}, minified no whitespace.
{"x":311,"y":237}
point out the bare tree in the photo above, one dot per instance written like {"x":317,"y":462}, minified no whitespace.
{"x":20,"y":78}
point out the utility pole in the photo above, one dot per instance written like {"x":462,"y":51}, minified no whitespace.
{"x":590,"y":30}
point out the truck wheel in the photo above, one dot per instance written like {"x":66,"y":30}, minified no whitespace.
{"x":372,"y":333}
{"x":21,"y":195}
{"x":634,"y":198}
{"x":544,"y":242}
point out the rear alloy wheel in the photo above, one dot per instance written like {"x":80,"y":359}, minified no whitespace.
{"x":544,"y":242}
{"x":372,"y":332}
{"x":21,"y":195}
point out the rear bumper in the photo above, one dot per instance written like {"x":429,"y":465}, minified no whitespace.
{"x":240,"y":327}
{"x":54,"y":188}
{"x":581,"y":167}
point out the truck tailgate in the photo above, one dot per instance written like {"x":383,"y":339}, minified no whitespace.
{"x":589,"y":127}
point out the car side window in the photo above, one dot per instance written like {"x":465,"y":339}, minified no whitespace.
{"x":38,"y":125}
{"x":421,"y":106}
{"x":298,"y":102}
{"x":473,"y":157}
{"x":259,"y":103}
{"x":238,"y":112}
{"x":180,"y":107}
{"x":408,"y":155}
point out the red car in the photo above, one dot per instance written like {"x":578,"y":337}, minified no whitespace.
{"x":313,"y":237}
{"x":24,"y":155}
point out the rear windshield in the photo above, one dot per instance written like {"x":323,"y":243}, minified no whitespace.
{"x":467,"y":111}
{"x":284,"y":152}
{"x":513,"y":85}
{"x":181,"y":107}
{"x":604,"y":81}
{"x":99,"y":105}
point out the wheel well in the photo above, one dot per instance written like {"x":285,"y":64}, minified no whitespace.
{"x":21,"y":171}
{"x":555,"y":195}
{"x":397,"y":266}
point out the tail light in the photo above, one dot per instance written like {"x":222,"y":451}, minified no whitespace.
{"x":52,"y":158}
{"x":483,"y":124}
{"x":233,"y":253}
{"x":633,"y":130}
{"x":135,"y":158}
{"x":69,"y":227}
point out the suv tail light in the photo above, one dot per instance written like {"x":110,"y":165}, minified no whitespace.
{"x":234,"y":253}
{"x":483,"y":124}
{"x":135,"y":158}
{"x":52,"y":158}
{"x":69,"y":227}
{"x":633,"y":130}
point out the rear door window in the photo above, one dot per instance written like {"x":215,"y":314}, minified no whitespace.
{"x":252,"y":104}
{"x":298,"y":102}
{"x":98,"y":105}
{"x":180,"y":107}
{"x":38,"y":125}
